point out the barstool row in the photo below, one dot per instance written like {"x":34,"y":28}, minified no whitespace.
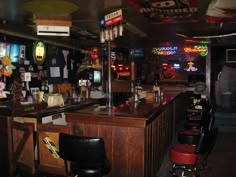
{"x":195,"y":142}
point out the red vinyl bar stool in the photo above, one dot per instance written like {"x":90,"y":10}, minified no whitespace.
{"x":194,"y":118}
{"x":197,"y":122}
{"x":195,"y":114}
{"x":191,"y":159}
{"x":192,"y":135}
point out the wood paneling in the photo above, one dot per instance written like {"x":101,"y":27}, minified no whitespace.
{"x":158,"y":137}
{"x":11,"y":146}
{"x":47,"y":163}
{"x":134,"y":151}
{"x":124,"y":146}
{"x":23,"y":147}
{"x":135,"y":143}
{"x":4,"y":160}
{"x":121,"y":86}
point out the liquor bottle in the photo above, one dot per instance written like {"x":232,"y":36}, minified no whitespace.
{"x":28,"y":96}
{"x":44,"y":86}
{"x":156,"y":89}
{"x":23,"y":91}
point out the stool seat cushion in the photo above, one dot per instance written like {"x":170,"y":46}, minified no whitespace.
{"x":196,"y":118}
{"x":191,"y":132}
{"x":91,"y":169}
{"x":192,"y":126}
{"x":184,"y":154}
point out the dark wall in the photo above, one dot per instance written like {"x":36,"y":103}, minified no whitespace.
{"x":223,"y":80}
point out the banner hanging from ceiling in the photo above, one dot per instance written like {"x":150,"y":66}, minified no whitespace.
{"x":168,"y":11}
{"x":220,"y":11}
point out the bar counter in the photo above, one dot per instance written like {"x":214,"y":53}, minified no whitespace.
{"x":15,"y":137}
{"x":135,"y":114}
{"x":18,"y":138}
{"x":136,"y":134}
{"x":67,"y":107}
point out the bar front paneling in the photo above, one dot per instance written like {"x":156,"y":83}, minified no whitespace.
{"x":124,"y":145}
{"x":136,"y":136}
{"x":47,"y":163}
{"x":14,"y":148}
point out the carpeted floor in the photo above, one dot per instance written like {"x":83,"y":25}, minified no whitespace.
{"x":221,"y":162}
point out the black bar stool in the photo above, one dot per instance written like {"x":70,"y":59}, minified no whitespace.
{"x":87,"y":155}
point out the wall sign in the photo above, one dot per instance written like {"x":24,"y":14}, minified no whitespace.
{"x":201,"y":49}
{"x":164,"y":51}
{"x":39,"y":52}
{"x":190,"y":67}
{"x":111,"y":26}
{"x":113,"y":18}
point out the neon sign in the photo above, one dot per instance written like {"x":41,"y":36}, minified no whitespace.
{"x":94,"y":53}
{"x":39,"y":52}
{"x":168,"y":50}
{"x":202,"y":49}
{"x":176,"y":65}
{"x":191,"y":67}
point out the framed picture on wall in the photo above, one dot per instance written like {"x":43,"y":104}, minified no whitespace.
{"x":230,"y":55}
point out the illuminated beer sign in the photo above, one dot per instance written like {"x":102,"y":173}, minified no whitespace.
{"x":191,"y":67}
{"x":165,"y":50}
{"x":94,"y":53}
{"x":39,"y":52}
{"x":201,"y":49}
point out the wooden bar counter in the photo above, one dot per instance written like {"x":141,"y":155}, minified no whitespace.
{"x":136,"y":135}
{"x":16,"y":139}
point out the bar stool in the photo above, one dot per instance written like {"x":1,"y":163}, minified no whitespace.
{"x":87,"y":155}
{"x":192,"y":135}
{"x":192,"y":159}
{"x":199,"y":121}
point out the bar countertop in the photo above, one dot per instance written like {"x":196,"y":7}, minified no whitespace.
{"x":67,"y":107}
{"x":8,"y":108}
{"x":139,"y":114}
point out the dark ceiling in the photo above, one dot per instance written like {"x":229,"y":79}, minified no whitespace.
{"x":18,"y":19}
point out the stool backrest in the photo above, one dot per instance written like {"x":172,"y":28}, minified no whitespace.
{"x":212,"y":119}
{"x":81,"y":149}
{"x":207,"y":141}
{"x":207,"y":120}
